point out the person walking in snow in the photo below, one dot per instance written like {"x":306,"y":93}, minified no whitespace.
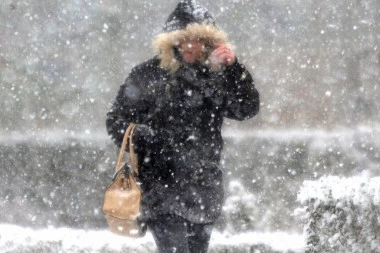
{"x":179,"y":99}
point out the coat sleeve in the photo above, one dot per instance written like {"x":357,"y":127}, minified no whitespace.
{"x":130,"y":106}
{"x":242,"y":98}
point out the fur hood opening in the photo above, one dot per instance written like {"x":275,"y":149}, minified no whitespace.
{"x":165,"y":43}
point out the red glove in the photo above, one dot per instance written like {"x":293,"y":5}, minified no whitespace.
{"x":224,"y":55}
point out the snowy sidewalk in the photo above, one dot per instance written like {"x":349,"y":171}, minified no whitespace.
{"x":65,"y":240}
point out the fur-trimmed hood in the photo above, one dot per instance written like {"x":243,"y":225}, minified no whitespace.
{"x":188,"y":21}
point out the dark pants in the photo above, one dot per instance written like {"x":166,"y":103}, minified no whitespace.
{"x":174,"y":234}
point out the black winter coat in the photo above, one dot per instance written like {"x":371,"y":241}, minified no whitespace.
{"x":179,"y":119}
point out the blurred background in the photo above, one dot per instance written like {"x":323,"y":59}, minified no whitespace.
{"x":315,"y":63}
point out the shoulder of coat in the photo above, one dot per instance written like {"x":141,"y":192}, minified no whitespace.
{"x":145,"y":66}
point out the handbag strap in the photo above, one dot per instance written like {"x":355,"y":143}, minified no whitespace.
{"x":132,"y":155}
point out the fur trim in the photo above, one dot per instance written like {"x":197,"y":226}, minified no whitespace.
{"x":164,"y":44}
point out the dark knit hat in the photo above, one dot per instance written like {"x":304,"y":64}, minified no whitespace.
{"x":187,"y":12}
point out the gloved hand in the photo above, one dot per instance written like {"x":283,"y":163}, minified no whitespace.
{"x":150,"y":142}
{"x":142,"y":137}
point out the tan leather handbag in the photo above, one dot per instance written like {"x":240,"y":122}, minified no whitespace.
{"x":122,"y":199}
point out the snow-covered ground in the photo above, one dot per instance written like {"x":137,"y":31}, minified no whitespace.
{"x":65,"y":240}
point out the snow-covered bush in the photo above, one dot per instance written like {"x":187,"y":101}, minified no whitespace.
{"x":342,"y":214}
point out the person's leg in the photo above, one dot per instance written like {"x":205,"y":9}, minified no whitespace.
{"x":199,"y":237}
{"x":170,"y":234}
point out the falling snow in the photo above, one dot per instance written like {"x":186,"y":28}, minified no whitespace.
{"x":316,"y":65}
